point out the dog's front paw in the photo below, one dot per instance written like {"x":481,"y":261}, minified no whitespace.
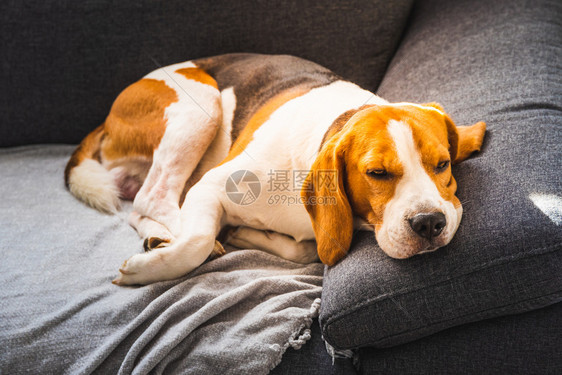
{"x":134,"y":271}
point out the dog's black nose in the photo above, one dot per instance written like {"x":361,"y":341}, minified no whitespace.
{"x":428,"y":225}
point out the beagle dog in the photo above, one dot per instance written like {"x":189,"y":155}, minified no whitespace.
{"x":216,"y":142}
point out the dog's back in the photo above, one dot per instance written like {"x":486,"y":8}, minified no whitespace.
{"x":249,"y":83}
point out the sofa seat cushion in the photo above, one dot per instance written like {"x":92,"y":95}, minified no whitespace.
{"x":493,"y":61}
{"x":519,"y":344}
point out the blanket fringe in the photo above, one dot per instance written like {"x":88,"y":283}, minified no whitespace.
{"x":301,"y":336}
{"x":298,"y":342}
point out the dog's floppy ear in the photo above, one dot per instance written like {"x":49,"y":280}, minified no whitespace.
{"x":463,"y":140}
{"x":327,"y":204}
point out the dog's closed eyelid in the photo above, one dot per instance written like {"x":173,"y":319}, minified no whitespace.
{"x":379,"y":174}
{"x":377,"y":171}
{"x":442,"y":166}
{"x":443,"y":163}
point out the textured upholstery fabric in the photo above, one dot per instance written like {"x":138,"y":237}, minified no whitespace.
{"x":517,"y":344}
{"x":312,"y":359}
{"x":64,"y":62}
{"x":497,"y":61}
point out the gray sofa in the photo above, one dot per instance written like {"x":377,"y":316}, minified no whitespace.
{"x":490,"y":302}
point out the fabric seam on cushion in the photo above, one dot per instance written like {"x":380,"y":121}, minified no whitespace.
{"x":494,"y":263}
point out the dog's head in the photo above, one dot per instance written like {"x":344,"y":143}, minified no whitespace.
{"x":393,"y":167}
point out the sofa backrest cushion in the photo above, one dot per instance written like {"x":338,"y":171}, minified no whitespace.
{"x":64,"y":62}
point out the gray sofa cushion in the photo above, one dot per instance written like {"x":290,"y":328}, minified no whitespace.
{"x":516,"y":344}
{"x":64,"y":62}
{"x":497,"y":61}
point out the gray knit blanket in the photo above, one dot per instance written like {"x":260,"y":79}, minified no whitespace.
{"x":59,"y":312}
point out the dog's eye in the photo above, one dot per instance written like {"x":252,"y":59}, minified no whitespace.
{"x":378,"y":173}
{"x":442,"y":165}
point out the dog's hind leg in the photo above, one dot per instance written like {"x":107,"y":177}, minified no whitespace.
{"x":192,"y":123}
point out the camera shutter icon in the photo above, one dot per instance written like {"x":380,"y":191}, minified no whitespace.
{"x":243,"y":187}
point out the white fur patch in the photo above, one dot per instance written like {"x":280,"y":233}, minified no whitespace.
{"x":228,"y":99}
{"x":163,"y":72}
{"x":218,"y":150}
{"x":415,"y":181}
{"x":93,"y":184}
{"x":415,"y":193}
